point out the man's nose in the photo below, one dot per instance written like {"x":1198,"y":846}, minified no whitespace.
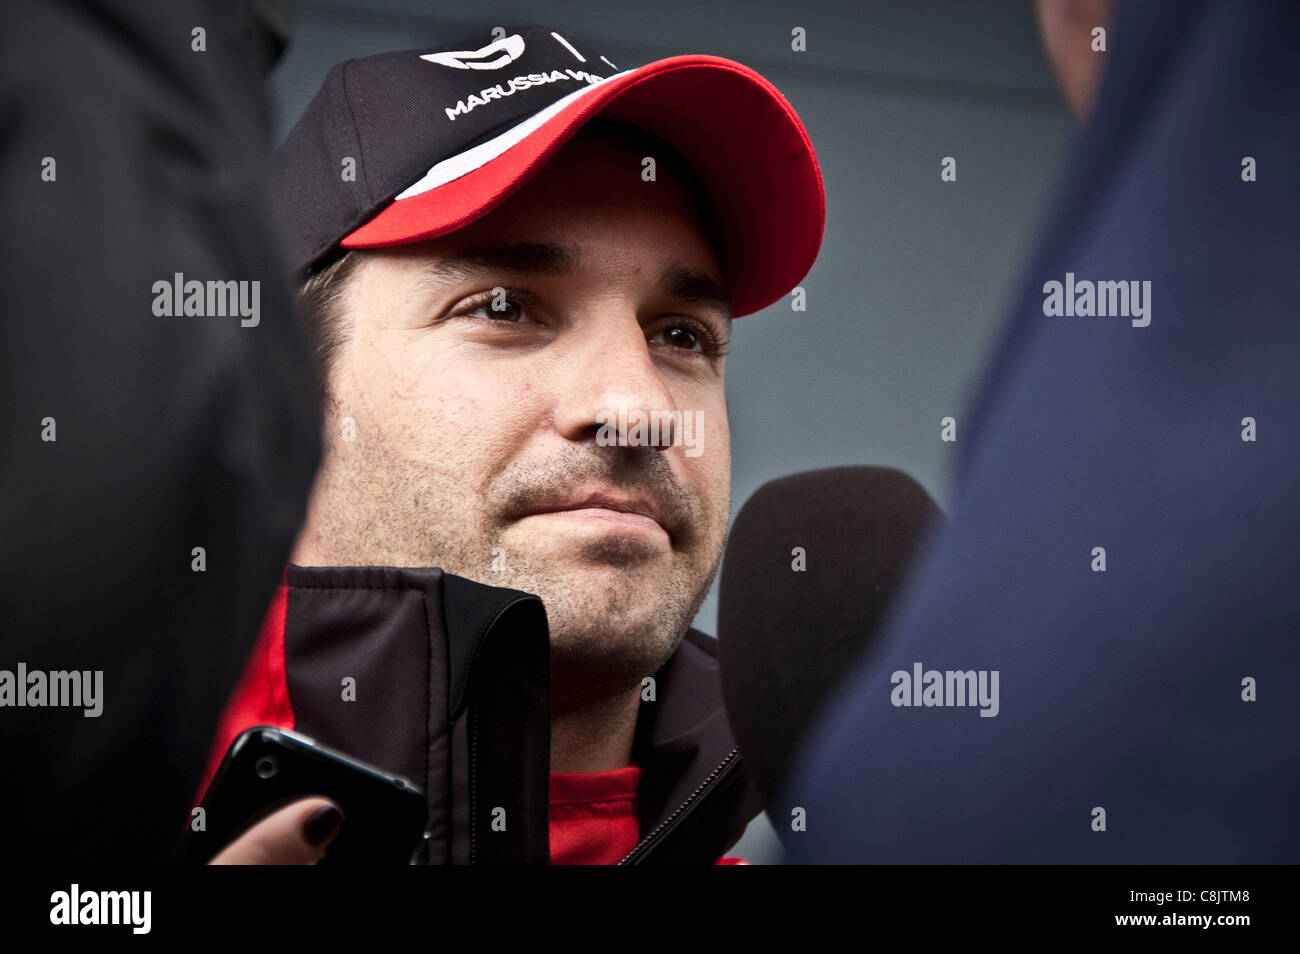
{"x":610,"y":383}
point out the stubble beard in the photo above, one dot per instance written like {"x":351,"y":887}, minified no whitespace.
{"x":611,"y":625}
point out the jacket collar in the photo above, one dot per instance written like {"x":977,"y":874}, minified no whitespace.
{"x":683,"y":743}
{"x":695,"y":798}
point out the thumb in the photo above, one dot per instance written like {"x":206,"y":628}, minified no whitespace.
{"x":297,"y":834}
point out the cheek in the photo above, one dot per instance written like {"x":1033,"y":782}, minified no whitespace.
{"x":715,"y":458}
{"x":722,"y":465}
{"x":709,"y":462}
{"x":442,"y":410}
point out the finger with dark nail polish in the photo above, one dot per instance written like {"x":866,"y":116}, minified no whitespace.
{"x":322,"y":824}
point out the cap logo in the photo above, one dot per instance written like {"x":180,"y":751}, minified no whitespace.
{"x":495,"y":55}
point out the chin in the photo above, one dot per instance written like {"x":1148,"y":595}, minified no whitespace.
{"x":604,"y":605}
{"x":593,"y":659}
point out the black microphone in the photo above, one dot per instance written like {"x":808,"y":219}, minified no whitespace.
{"x":812,"y":565}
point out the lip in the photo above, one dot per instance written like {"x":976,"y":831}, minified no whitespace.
{"x":628,"y":511}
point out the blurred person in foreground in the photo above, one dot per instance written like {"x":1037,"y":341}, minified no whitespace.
{"x":1123,"y":544}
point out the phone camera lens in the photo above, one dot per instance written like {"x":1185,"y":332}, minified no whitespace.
{"x":265,"y":767}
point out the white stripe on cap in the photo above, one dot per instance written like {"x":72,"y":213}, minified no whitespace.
{"x":569,"y":46}
{"x":466,"y":162}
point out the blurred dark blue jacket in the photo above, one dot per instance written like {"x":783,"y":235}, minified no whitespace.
{"x":1119,"y":689}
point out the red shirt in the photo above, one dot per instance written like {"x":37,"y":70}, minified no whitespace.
{"x":593,"y":817}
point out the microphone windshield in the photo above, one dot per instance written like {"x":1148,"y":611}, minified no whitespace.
{"x":812,"y":565}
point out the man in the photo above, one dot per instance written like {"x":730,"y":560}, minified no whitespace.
{"x":523,"y":365}
{"x":1122,"y":547}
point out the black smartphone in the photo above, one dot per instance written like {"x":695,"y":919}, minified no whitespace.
{"x":266,"y":768}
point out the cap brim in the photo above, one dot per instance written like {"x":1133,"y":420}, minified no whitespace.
{"x":741,"y":137}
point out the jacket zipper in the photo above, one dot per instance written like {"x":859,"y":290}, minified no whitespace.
{"x":646,"y":843}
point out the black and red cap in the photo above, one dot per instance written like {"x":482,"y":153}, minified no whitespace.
{"x":439,"y":138}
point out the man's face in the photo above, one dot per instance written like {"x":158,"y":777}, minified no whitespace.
{"x":1067,"y":27}
{"x":478,"y":442}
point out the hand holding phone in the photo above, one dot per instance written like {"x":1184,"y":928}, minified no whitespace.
{"x":297,"y":834}
{"x":249,"y":818}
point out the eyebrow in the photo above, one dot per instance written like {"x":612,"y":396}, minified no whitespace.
{"x":549,"y":258}
{"x":686,"y":284}
{"x":528,"y":258}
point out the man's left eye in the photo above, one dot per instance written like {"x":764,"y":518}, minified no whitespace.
{"x":680,"y":336}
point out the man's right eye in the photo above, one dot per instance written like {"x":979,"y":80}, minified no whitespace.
{"x":498,"y":304}
{"x":509,"y":310}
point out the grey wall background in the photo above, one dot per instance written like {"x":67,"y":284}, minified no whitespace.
{"x":907,"y":296}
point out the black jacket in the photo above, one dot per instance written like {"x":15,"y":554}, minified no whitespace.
{"x":452,"y":692}
{"x":173,"y":455}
